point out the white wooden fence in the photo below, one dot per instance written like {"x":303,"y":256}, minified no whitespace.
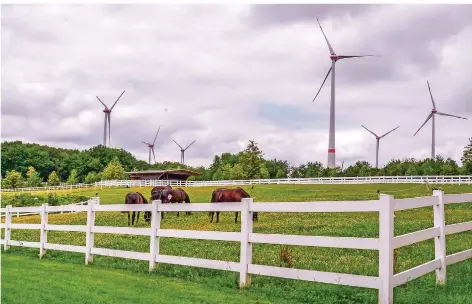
{"x":440,"y":179}
{"x":93,"y":199}
{"x":385,"y":282}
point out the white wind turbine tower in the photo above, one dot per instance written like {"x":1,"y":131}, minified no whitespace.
{"x":107,"y":112}
{"x":378,"y":141}
{"x":151,"y":147}
{"x":334,"y":58}
{"x":431,"y":116}
{"x":182,"y":151}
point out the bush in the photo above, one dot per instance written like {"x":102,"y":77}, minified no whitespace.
{"x":13,"y":179}
{"x":26,"y":199}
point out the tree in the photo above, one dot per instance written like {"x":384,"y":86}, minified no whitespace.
{"x":226,"y":172}
{"x":264,"y":173}
{"x":91,"y":178}
{"x":237,"y":172}
{"x":32,"y":178}
{"x":251,"y":160}
{"x":280,"y":174}
{"x":53,"y":179}
{"x":114,"y":170}
{"x":72,"y":179}
{"x":467,"y":154}
{"x":13,"y":179}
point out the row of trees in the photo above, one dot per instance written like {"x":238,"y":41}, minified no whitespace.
{"x":32,"y":164}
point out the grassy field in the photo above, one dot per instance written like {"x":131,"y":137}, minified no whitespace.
{"x":275,"y":290}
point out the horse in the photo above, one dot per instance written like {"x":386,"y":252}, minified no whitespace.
{"x":160,"y":188}
{"x":229,"y":195}
{"x":172,"y":196}
{"x":136,"y":198}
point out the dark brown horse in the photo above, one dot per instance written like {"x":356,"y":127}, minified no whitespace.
{"x":172,"y":196}
{"x":160,"y":188}
{"x":136,"y":198}
{"x":229,"y":195}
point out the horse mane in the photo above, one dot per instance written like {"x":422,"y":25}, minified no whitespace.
{"x":244,"y":192}
{"x":143,"y":198}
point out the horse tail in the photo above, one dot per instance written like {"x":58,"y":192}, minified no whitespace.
{"x":187,"y":199}
{"x":126,"y":202}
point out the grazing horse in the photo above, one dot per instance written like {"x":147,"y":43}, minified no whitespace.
{"x":160,"y":188}
{"x":229,"y":195}
{"x":172,"y":196}
{"x":136,"y":198}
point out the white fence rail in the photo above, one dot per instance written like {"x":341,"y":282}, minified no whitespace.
{"x":385,"y":244}
{"x":22,"y":211}
{"x":440,"y":179}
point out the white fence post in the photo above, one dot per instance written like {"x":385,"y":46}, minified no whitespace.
{"x":246,"y":247}
{"x":89,"y":233}
{"x":440,"y":241}
{"x":154,"y":243}
{"x":7,"y":235}
{"x":43,"y":237}
{"x":386,"y":234}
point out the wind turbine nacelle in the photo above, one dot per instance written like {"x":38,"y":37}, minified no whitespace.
{"x":334,"y":57}
{"x":150,"y":146}
{"x":106,"y":111}
{"x":433,"y":111}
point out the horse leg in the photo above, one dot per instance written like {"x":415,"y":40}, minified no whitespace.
{"x":235,"y":217}
{"x":128,"y":219}
{"x":162,"y":215}
{"x":211,"y":216}
{"x":137,"y":218}
{"x":134,"y":214}
{"x":217,"y":216}
{"x":187,"y":201}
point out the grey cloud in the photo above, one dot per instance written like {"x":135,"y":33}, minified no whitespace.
{"x":201,"y":71}
{"x":278,"y":14}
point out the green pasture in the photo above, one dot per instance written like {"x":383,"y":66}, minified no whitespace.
{"x":274,"y":290}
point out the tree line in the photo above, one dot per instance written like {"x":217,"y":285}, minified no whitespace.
{"x":32,"y":165}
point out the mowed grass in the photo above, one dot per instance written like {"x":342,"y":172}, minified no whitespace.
{"x":362,"y":262}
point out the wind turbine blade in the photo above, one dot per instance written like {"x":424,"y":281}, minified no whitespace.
{"x":354,"y":56}
{"x":117,"y":101}
{"x":428,"y":118}
{"x":430,"y":94}
{"x":370,"y":131}
{"x":156,"y":136}
{"x":154,"y":155}
{"x":190,"y":144}
{"x":326,"y":38}
{"x":322,"y":83}
{"x":102,"y":102}
{"x":444,"y":114}
{"x":389,"y":132}
{"x":178,"y":145}
{"x":144,"y":142}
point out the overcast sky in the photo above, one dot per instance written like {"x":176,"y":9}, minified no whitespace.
{"x":224,"y":74}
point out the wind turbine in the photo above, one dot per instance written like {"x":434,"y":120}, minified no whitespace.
{"x":334,"y":57}
{"x":182,"y":151}
{"x":378,"y":140}
{"x":151,"y":147}
{"x":431,"y":116}
{"x":107,"y":112}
